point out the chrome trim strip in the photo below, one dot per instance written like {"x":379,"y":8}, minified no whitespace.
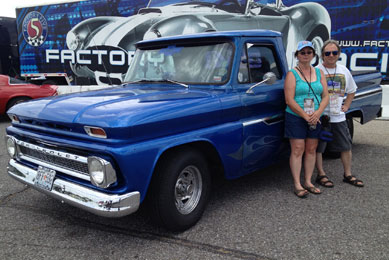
{"x":73,"y":173}
{"x":252,"y":122}
{"x":260,"y":120}
{"x":367,"y":93}
{"x":99,"y":203}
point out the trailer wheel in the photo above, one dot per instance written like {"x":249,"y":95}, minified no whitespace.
{"x":180,"y":190}
{"x":15,"y":101}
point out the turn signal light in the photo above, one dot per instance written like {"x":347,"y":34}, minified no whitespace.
{"x":95,"y":131}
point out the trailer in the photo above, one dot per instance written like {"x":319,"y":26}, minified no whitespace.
{"x":92,"y":42}
{"x":9,"y":56}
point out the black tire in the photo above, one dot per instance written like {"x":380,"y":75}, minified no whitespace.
{"x":15,"y":101}
{"x":179,"y":190}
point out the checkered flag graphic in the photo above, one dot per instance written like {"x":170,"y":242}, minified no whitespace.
{"x":37,"y":41}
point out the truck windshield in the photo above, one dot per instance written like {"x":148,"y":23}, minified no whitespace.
{"x":199,"y":64}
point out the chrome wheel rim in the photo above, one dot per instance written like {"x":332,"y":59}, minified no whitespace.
{"x":188,"y":189}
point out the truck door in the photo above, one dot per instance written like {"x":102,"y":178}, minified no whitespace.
{"x":262,"y":112}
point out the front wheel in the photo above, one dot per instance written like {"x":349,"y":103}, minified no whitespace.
{"x":180,"y":190}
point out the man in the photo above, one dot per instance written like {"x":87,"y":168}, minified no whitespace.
{"x":340,"y":82}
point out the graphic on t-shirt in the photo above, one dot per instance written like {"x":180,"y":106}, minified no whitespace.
{"x":336,"y":84}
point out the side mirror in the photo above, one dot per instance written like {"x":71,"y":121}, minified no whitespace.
{"x":269,"y":77}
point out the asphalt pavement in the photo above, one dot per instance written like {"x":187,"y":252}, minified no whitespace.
{"x":254,"y":217}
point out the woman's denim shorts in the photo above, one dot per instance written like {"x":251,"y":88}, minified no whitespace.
{"x":297,"y":128}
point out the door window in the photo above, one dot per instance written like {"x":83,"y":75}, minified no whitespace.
{"x":256,"y":61}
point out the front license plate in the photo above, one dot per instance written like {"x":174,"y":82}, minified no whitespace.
{"x":44,"y":178}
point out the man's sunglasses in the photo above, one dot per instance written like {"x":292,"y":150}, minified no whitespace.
{"x":328,"y":53}
{"x":307,"y":53}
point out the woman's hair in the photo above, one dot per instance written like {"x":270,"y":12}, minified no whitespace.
{"x":327,"y":42}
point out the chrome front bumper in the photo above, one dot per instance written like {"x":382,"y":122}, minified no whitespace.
{"x":96,"y":202}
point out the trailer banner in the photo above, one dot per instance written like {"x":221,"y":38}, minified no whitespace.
{"x":94,"y":41}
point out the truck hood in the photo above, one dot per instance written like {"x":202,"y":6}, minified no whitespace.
{"x":126,"y":106}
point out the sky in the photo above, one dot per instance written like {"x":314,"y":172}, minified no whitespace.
{"x":8,"y":6}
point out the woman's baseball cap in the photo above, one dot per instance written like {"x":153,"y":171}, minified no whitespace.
{"x":301,"y":45}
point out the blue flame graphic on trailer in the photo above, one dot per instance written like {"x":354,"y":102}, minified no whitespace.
{"x":35,"y":28}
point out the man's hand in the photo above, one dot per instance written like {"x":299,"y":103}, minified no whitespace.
{"x":345,"y":108}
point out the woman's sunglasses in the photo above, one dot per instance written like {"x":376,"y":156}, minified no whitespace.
{"x":328,"y":53}
{"x":307,"y":53}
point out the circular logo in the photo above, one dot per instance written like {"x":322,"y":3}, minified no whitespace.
{"x":34,"y":28}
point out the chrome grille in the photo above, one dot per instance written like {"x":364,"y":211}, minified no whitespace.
{"x":64,"y":162}
{"x":57,"y":161}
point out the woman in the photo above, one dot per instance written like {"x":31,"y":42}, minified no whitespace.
{"x":306,"y":96}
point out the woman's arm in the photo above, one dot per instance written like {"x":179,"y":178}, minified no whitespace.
{"x":290,"y":91}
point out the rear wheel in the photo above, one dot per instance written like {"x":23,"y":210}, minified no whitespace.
{"x":180,"y":190}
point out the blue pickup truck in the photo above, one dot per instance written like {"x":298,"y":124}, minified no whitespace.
{"x":192,"y":106}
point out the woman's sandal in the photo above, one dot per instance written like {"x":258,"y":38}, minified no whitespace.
{"x":355,"y":181}
{"x":301,"y":193}
{"x":325,"y":183}
{"x":313,"y":190}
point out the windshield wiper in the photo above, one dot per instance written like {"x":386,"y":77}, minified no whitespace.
{"x":176,"y":82}
{"x":137,"y":81}
{"x":157,"y":80}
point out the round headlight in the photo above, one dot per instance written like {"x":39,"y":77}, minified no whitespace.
{"x":101,"y":172}
{"x":72,"y":41}
{"x":11,"y":147}
{"x":96,"y":170}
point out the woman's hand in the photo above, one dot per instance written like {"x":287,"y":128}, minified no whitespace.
{"x":314,"y":118}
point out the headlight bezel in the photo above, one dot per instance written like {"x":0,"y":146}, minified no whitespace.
{"x":10,"y":140}
{"x":103,"y":177}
